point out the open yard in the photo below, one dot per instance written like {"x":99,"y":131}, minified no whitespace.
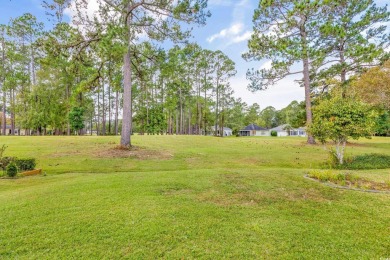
{"x":187,"y":197}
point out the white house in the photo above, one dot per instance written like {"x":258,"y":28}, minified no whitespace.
{"x":254,"y":130}
{"x":226,"y":131}
{"x":287,"y":130}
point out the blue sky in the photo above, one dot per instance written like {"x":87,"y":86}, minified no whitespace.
{"x":228,"y":30}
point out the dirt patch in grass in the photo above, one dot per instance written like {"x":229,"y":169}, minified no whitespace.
{"x":136,"y":152}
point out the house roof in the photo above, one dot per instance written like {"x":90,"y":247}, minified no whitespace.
{"x":225,"y":128}
{"x":253,"y":127}
{"x":279,"y":128}
{"x":283,"y":128}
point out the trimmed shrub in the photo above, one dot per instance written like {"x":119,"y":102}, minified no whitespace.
{"x":12,"y":169}
{"x":26,"y":164}
{"x":274,"y":133}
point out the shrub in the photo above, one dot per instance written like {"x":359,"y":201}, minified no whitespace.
{"x":12,"y":169}
{"x":274,"y":133}
{"x":368,"y":161}
{"x":4,"y":161}
{"x":27,"y":164}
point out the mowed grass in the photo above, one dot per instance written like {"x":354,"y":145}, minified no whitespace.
{"x":188,"y":197}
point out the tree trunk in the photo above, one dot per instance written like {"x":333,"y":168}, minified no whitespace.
{"x":127,"y":113}
{"x":68,"y":100}
{"x":116,"y":111}
{"x":103,"y":110}
{"x":204,"y":109}
{"x":4,"y":119}
{"x":109,"y":108}
{"x":343,"y":75}
{"x":98,"y":113}
{"x":216,"y":110}
{"x":306,"y":81}
{"x":12,"y":95}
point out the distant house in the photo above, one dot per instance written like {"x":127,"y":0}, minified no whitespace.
{"x":254,"y":130}
{"x":226,"y":131}
{"x":287,"y":130}
{"x":17,"y":130}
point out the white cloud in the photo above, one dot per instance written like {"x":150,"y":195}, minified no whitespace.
{"x":220,"y":2}
{"x":241,"y":38}
{"x":233,"y":30}
{"x":238,"y":31}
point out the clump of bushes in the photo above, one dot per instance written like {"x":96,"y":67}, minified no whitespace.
{"x":23,"y":164}
{"x":360,"y":162}
{"x":274,"y":133}
{"x":368,"y":161}
{"x":27,"y":164}
{"x":11,"y":170}
{"x":347,"y":180}
{"x":12,"y":165}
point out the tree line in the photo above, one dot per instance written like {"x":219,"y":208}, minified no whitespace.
{"x":109,"y":75}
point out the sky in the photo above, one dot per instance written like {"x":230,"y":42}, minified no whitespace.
{"x":228,"y":30}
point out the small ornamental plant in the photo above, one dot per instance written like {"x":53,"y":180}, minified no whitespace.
{"x":12,"y":170}
{"x":339,"y":119}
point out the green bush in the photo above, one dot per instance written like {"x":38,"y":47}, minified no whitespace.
{"x":367,"y":161}
{"x":26,"y":164}
{"x":12,"y":169}
{"x":274,"y":133}
{"x":4,"y":161}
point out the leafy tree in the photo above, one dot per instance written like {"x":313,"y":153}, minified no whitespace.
{"x":126,"y":21}
{"x":284,"y":32}
{"x":339,"y":119}
{"x":76,"y":118}
{"x":352,"y":37}
{"x":252,"y":114}
{"x":269,"y":117}
{"x":373,"y":87}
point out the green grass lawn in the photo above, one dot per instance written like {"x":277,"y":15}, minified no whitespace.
{"x":188,"y":197}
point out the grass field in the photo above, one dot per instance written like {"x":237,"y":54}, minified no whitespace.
{"x":185,"y":197}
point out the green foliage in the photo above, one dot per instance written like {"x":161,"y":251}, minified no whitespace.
{"x":382,"y":123}
{"x":332,"y":176}
{"x":25,"y":164}
{"x":76,"y":118}
{"x":348,"y":180}
{"x":339,"y":119}
{"x":12,"y":170}
{"x":4,"y":161}
{"x":368,"y":161}
{"x":274,"y":133}
{"x":353,"y":34}
{"x":2,"y":150}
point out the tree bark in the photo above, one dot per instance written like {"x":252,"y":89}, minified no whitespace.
{"x":4,"y":119}
{"x":127,"y":113}
{"x":306,"y":81}
{"x":103,"y":110}
{"x":116,"y":111}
